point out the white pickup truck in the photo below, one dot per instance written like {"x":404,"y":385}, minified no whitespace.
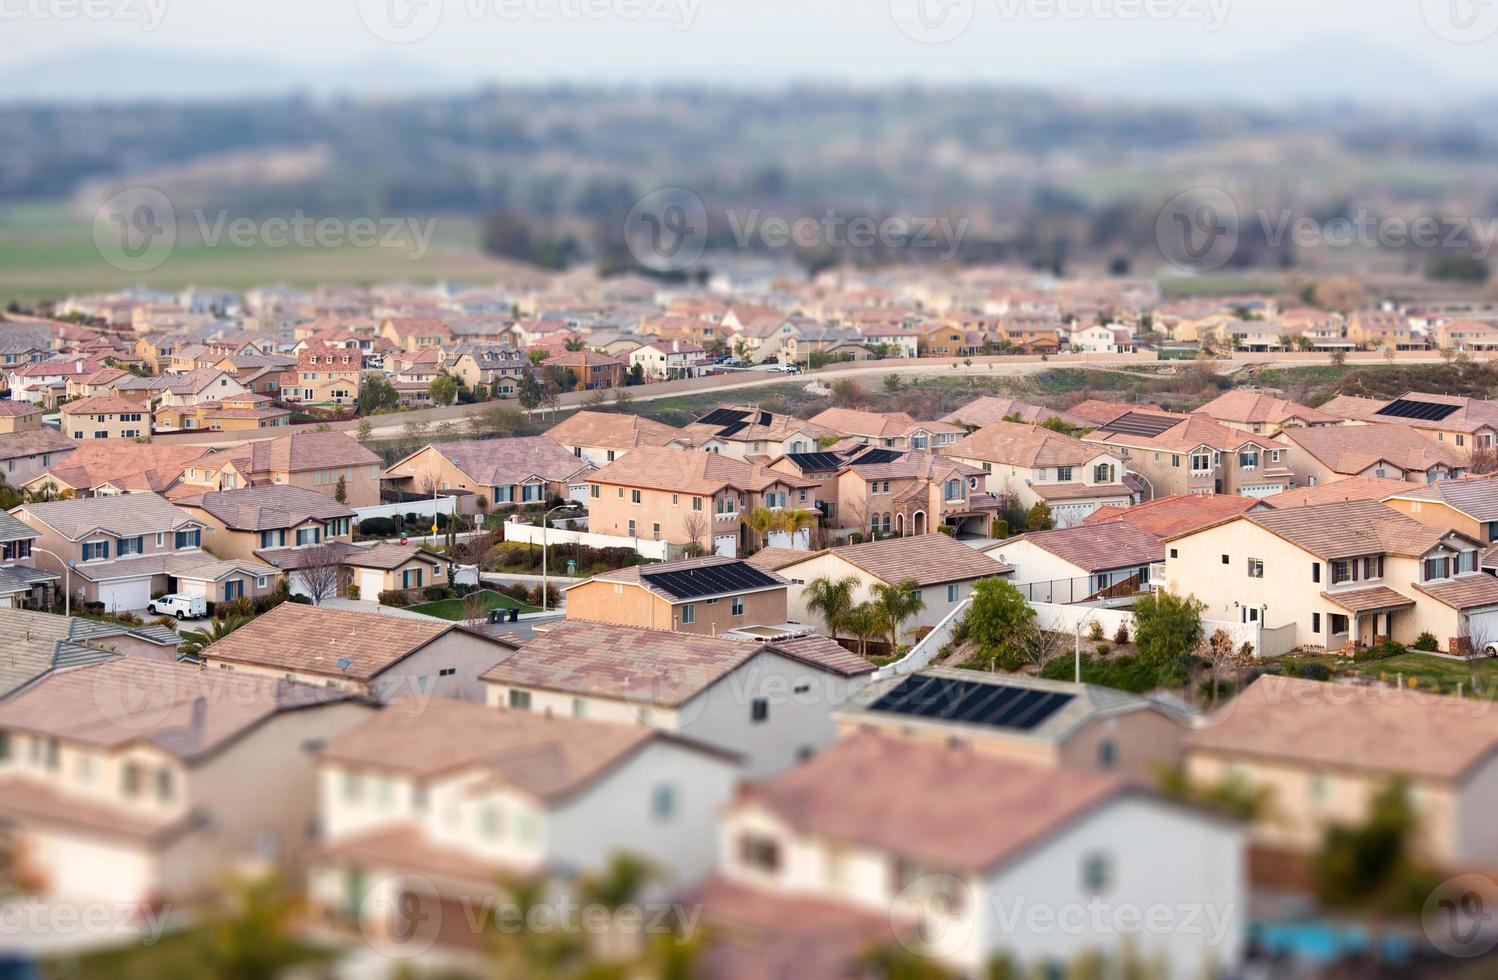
{"x":181,"y":605}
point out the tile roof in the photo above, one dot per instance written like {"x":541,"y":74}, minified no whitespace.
{"x":614,"y":430}
{"x":267,"y":507}
{"x":1187,"y":434}
{"x":1083,"y":491}
{"x":691,"y":471}
{"x":1095,"y":411}
{"x":35,"y":442}
{"x":28,"y":799}
{"x":38,"y":642}
{"x":1018,"y":444}
{"x":1244,"y":406}
{"x":1094,"y":547}
{"x":876,"y":790}
{"x":103,"y":405}
{"x":389,"y":556}
{"x":877,"y":425}
{"x":1352,"y":488}
{"x":15,"y":409}
{"x":122,"y":514}
{"x":991,"y":408}
{"x":312,"y":639}
{"x":1464,"y":592}
{"x":1379,"y":598}
{"x":1348,"y":530}
{"x":502,"y":462}
{"x":299,"y":452}
{"x":687,"y":578}
{"x":128,"y":465}
{"x":179,"y":708}
{"x":917,"y":464}
{"x":1477,"y":497}
{"x":1320,"y":725}
{"x":771,"y":559}
{"x":929,"y":559}
{"x":1351,"y":449}
{"x":749,"y":423}
{"x":1176,"y":514}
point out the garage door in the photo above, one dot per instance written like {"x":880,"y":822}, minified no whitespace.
{"x":120,"y":596}
{"x":726,"y":545}
{"x":1267,"y":490}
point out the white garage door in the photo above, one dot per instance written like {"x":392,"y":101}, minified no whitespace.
{"x":130,"y":594}
{"x":727,"y":545}
{"x":1268,"y":490}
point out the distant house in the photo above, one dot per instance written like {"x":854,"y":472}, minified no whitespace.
{"x":314,"y":460}
{"x":28,"y":452}
{"x":105,"y":417}
{"x":1254,"y":411}
{"x":507,"y":472}
{"x":602,"y":437}
{"x":1033,"y":464}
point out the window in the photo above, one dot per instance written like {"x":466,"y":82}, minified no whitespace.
{"x":1175,"y":461}
{"x":761,"y":853}
{"x":663,"y":802}
{"x":737,"y":606}
{"x":952,"y":592}
{"x":491,"y":823}
{"x":1201,"y":463}
{"x":531,"y":492}
{"x":165,"y":785}
{"x":1063,"y":474}
{"x":308,"y":535}
{"x":130,"y":779}
{"x":233,"y":589}
{"x":189,"y":539}
{"x":579,"y":708}
{"x":1097,"y":873}
{"x":1315,"y":571}
{"x":634,"y":496}
{"x":1248,"y":459}
{"x":1226,"y":560}
{"x":689,"y":613}
{"x":594,"y":490}
{"x":1102,"y":473}
{"x":1255,"y":568}
{"x":272,"y":539}
{"x":95,"y":550}
{"x":954,"y":489}
{"x":1316,"y":624}
{"x":1107,"y":754}
{"x":520,"y":700}
{"x":1436,"y":568}
{"x":759,"y":710}
{"x":631,"y":528}
{"x":697,"y":503}
{"x":411,"y":578}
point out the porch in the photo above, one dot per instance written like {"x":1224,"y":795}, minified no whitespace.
{"x":1370,"y":617}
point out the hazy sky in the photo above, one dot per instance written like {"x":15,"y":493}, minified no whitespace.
{"x":756,"y":41}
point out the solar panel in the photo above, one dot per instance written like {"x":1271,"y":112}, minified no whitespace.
{"x":878,"y":456}
{"x":1409,"y":408}
{"x":972,"y":702}
{"x":814,"y":462}
{"x":689,"y":583}
{"x":723,"y":416}
{"x":1140,"y":424}
{"x":733,"y":429}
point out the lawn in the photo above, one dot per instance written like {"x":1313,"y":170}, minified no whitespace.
{"x":1427,"y":671}
{"x":453,"y":608}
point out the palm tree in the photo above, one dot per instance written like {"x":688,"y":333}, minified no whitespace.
{"x":620,"y":884}
{"x":832,"y":599}
{"x":893,"y":604}
{"x":762,"y":521}
{"x":863,"y":622}
{"x":251,"y":936}
{"x":193,"y":641}
{"x":794,"y":522}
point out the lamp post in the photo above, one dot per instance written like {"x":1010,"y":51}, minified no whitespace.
{"x":67,"y":581}
{"x":546,"y":523}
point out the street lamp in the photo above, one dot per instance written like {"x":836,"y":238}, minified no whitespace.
{"x":67,"y":581}
{"x":545,"y":523}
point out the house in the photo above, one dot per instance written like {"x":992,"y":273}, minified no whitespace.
{"x":499,"y":369}
{"x":1166,"y":517}
{"x":339,"y":568}
{"x":108,"y":466}
{"x":892,"y":430}
{"x":331,"y":463}
{"x":685,"y":496}
{"x":21,"y":582}
{"x":19,"y":417}
{"x":243,"y":522}
{"x":426,"y":808}
{"x":992,"y":408}
{"x":235,"y":413}
{"x":1174,"y":454}
{"x":39,"y":643}
{"x":669,"y":360}
{"x":846,"y":854}
{"x":768,"y":702}
{"x":1032,"y":464}
{"x":1469,"y":506}
{"x":327,"y":374}
{"x":913,"y":493}
{"x":45,"y":382}
{"x":944,"y":572}
{"x":1093,"y":561}
{"x":1102,"y":338}
{"x":369,"y":654}
{"x":411,"y":333}
{"x":942,"y":340}
{"x":201,"y":385}
{"x":506,"y":472}
{"x":592,"y":369}
{"x":1253,"y":411}
{"x":742,"y":431}
{"x":26,"y":453}
{"x":602,"y":437}
{"x":1465,"y":335}
{"x":1322,"y":752}
{"x":1338,"y":575}
{"x":1396,"y":452}
{"x":110,"y":798}
{"x":1027,"y":719}
{"x":710,"y":595}
{"x":105,"y":417}
{"x":1468,"y":424}
{"x":1381,"y":330}
{"x":120,"y":550}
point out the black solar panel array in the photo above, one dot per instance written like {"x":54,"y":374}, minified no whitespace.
{"x":815,"y":462}
{"x":733,"y":428}
{"x":1138,"y":424}
{"x":1408,"y":408}
{"x":689,"y":583}
{"x":972,"y":702}
{"x":877,"y":456}
{"x":723,"y":416}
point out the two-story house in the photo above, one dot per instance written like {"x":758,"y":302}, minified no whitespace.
{"x":254,"y":519}
{"x":1396,"y":452}
{"x":1033,"y":463}
{"x":29,"y":452}
{"x":892,"y":430}
{"x":1468,"y":424}
{"x":506,"y":472}
{"x":742,"y":431}
{"x":686,"y":496}
{"x":1254,"y":411}
{"x":430,"y":805}
{"x":915,"y":493}
{"x":141,"y":782}
{"x":602,"y":437}
{"x":105,"y":417}
{"x":233,"y":413}
{"x":498,"y":369}
{"x":332,"y":463}
{"x":22,"y":584}
{"x":1381,"y":329}
{"x":768,"y":702}
{"x":1194,"y":454}
{"x":667,"y":360}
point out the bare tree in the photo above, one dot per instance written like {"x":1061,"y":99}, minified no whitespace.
{"x":320,"y":574}
{"x":471,"y":609}
{"x":695,"y":524}
{"x":1220,"y":654}
{"x":1483,"y":461}
{"x":1474,"y":647}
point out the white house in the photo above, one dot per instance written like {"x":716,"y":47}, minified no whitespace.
{"x":667,"y":360}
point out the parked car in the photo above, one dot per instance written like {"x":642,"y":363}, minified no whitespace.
{"x":181,"y":605}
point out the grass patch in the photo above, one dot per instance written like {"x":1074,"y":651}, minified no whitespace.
{"x":452,"y":609}
{"x":1429,"y":673}
{"x":177,"y":954}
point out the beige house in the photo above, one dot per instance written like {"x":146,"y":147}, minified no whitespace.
{"x":506,"y":472}
{"x":105,"y":417}
{"x":1469,"y":506}
{"x":19,"y":416}
{"x":1175,"y":454}
{"x":107,"y":798}
{"x":1338,"y":575}
{"x":602,"y":437}
{"x":882,"y":492}
{"x":741,"y":431}
{"x":321,"y":461}
{"x":1467,"y":424}
{"x":243,"y":522}
{"x":892,"y":430}
{"x":709,"y":595}
{"x":1396,"y":452}
{"x":1323,"y":751}
{"x":1032,"y":464}
{"x":1254,"y":411}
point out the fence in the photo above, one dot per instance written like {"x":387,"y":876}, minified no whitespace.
{"x":930,"y":645}
{"x":425,"y":507}
{"x":1070,"y":591}
{"x":646,"y":548}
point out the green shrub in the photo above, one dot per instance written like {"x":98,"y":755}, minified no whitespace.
{"x":1381,"y":652}
{"x":1315,"y":672}
{"x":379,"y":527}
{"x":1103,"y":649}
{"x":1427,"y":643}
{"x":394,"y":597}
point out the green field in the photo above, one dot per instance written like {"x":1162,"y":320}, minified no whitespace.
{"x":452,"y":609}
{"x":47,"y":251}
{"x":1427,"y":671}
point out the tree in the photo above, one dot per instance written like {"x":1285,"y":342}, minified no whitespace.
{"x":997,"y":621}
{"x":862,"y":622}
{"x":498,"y":419}
{"x":762,"y":520}
{"x":376,"y":394}
{"x":530,"y":392}
{"x":621,"y":883}
{"x":1374,"y":865}
{"x":1167,"y":627}
{"x":793,"y":522}
{"x":194,"y":641}
{"x":365,"y":430}
{"x":892,"y":382}
{"x":340,"y":490}
{"x":893,"y":604}
{"x":635,"y":375}
{"x":846,"y":393}
{"x":1039,"y":518}
{"x":831,"y":599}
{"x":443,"y":389}
{"x":251,"y":936}
{"x":319,"y":575}
{"x":695,"y":524}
